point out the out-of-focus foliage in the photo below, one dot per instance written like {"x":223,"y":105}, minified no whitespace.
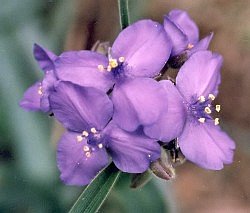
{"x":29,"y":179}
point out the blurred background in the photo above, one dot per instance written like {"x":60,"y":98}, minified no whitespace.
{"x":29,"y":179}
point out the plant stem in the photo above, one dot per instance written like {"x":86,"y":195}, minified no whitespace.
{"x":123,"y":13}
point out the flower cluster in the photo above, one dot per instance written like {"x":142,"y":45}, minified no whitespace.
{"x":114,"y":109}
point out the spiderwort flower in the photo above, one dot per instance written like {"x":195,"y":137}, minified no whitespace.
{"x":200,"y":138}
{"x":36,"y":97}
{"x":135,"y":57}
{"x":83,"y":149}
{"x":184,"y":35}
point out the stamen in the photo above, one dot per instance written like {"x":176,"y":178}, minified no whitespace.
{"x":109,"y":68}
{"x":93,"y":130}
{"x":85,"y":133}
{"x":211,"y":96}
{"x":216,"y":121}
{"x":190,"y":46}
{"x":217,"y":108}
{"x":87,"y":154}
{"x":100,"y":145}
{"x":121,"y":59}
{"x":202,"y":98}
{"x":40,"y":90}
{"x":79,"y":138}
{"x":207,"y":110}
{"x":85,"y":148}
{"x":113,"y":63}
{"x":100,"y":67}
{"x":202,"y":120}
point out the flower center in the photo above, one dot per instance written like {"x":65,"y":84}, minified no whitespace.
{"x":94,"y":141}
{"x":202,"y":108}
{"x":115,"y":66}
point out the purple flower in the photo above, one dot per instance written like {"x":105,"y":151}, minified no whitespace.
{"x":135,"y":57}
{"x":189,"y":117}
{"x":36,"y":97}
{"x":83,"y":150}
{"x":184,"y":33}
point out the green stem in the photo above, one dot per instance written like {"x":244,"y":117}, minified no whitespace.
{"x":123,"y":13}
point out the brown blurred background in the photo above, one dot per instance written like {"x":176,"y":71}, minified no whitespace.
{"x":195,"y":189}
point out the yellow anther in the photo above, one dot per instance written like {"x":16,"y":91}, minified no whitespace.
{"x":79,"y":138}
{"x":40,"y":90}
{"x":93,"y":130}
{"x":113,"y":63}
{"x":121,"y":59}
{"x":211,"y":96}
{"x":202,"y":98}
{"x":85,"y":148}
{"x":87,"y":154}
{"x":100,"y":67}
{"x":207,"y":110}
{"x":217,"y":108}
{"x":202,"y":120}
{"x":216,"y":121}
{"x":100,"y":145}
{"x":190,"y":46}
{"x":85,"y":133}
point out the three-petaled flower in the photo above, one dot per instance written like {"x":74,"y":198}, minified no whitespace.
{"x":83,"y":150}
{"x":189,"y":113}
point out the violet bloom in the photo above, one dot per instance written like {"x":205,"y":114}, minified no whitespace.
{"x":189,"y":117}
{"x":184,"y":35}
{"x":36,"y":97}
{"x":82,"y":150}
{"x":135,"y":57}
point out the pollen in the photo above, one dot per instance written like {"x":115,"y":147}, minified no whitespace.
{"x":121,"y":59}
{"x":100,"y":145}
{"x":85,"y":148}
{"x":113,"y":63}
{"x":93,"y":130}
{"x":202,"y":98}
{"x":216,"y":121}
{"x":202,"y":120}
{"x":207,"y":110}
{"x":79,"y":138}
{"x":211,"y":96}
{"x":87,"y":154}
{"x":217,"y":108}
{"x":100,"y":67}
{"x":85,"y":133}
{"x":190,"y":46}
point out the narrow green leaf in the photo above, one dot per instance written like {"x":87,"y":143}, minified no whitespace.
{"x":123,"y":13}
{"x":97,"y":191}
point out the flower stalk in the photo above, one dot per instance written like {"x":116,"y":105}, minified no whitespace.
{"x":123,"y":13}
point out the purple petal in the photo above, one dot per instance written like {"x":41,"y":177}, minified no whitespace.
{"x":131,"y":152}
{"x":138,"y":102}
{"x":75,"y":167}
{"x":145,"y":47}
{"x":80,"y":108}
{"x":185,"y":24}
{"x":178,"y":38}
{"x":171,"y":122}
{"x":199,"y":75}
{"x":44,"y":57}
{"x":81,"y":67}
{"x":206,"y":145}
{"x":31,"y":98}
{"x":47,"y":86}
{"x":201,"y":45}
